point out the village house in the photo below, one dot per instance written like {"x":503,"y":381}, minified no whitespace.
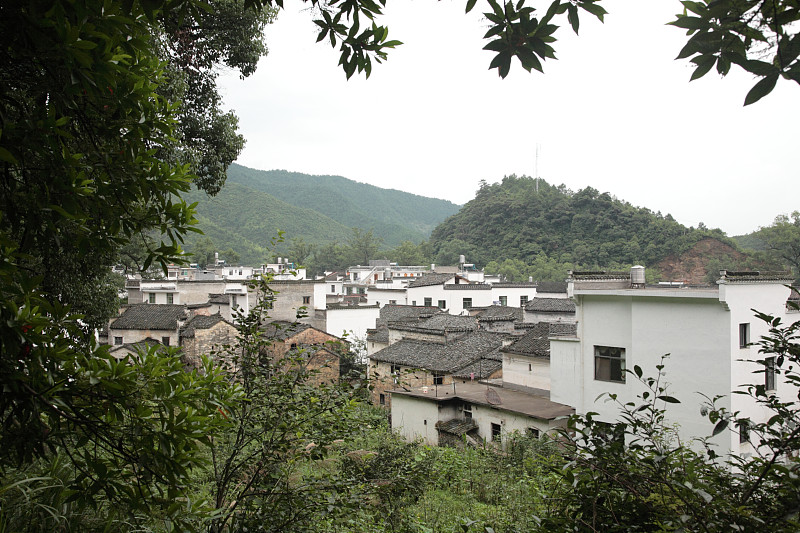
{"x":707,"y":331}
{"x":320,"y":351}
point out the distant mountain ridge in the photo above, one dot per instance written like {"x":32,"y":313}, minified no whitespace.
{"x":254,"y":205}
{"x":394,"y":215}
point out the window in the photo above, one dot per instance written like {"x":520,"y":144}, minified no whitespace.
{"x":467,"y":303}
{"x":170,"y":298}
{"x":523,"y":300}
{"x":532,"y":432}
{"x":744,"y":431}
{"x":428,"y":302}
{"x":744,"y":335}
{"x":393,"y":302}
{"x":504,"y":301}
{"x":293,"y":346}
{"x":496,"y":430}
{"x":382,"y":399}
{"x":442,"y":304}
{"x":333,"y":289}
{"x":362,"y":290}
{"x":151,"y":297}
{"x":233,"y":301}
{"x":306,"y":300}
{"x":413,"y":302}
{"x":769,"y":373}
{"x":467,"y":410}
{"x":438,"y":379}
{"x":117,"y":341}
{"x":609,"y":363}
{"x":394,"y":369}
{"x":165,"y":341}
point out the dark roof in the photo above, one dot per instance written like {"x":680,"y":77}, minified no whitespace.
{"x":747,"y":276}
{"x":510,"y":285}
{"x":282,"y":330}
{"x":468,"y":287}
{"x":551,"y":305}
{"x":440,"y":323}
{"x":536,"y":342}
{"x":495,"y":313}
{"x":151,"y":316}
{"x":457,"y":426}
{"x":480,"y":369}
{"x":515,"y":401}
{"x":200,"y":322}
{"x":448,"y":358}
{"x":394,"y":313}
{"x":551,"y":286}
{"x":220,"y":299}
{"x":431,"y":278}
{"x":600,"y":275}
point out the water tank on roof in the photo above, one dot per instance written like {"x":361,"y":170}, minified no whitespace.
{"x":462,"y":259}
{"x":637,"y":275}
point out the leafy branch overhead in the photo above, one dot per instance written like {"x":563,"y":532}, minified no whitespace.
{"x":760,"y":36}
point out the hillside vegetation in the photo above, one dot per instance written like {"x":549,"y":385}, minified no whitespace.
{"x":394,"y":216}
{"x":520,"y":219}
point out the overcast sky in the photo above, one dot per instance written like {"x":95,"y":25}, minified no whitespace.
{"x":616,"y":112}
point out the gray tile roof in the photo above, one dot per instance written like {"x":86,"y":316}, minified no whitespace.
{"x":200,"y":322}
{"x":151,"y":316}
{"x":431,"y":278}
{"x":551,"y":286}
{"x":536,"y":342}
{"x":457,"y":426}
{"x":515,"y":401}
{"x":498,"y":312}
{"x":468,"y":287}
{"x":447,"y":358}
{"x":439,"y":323}
{"x":282,"y":330}
{"x":600,"y":275}
{"x":220,"y":299}
{"x":729,"y":276}
{"x":510,"y":285}
{"x":551,"y":305}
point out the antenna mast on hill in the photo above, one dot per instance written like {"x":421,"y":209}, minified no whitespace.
{"x":536,"y":168}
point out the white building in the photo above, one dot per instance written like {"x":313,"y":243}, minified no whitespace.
{"x":706,"y":331}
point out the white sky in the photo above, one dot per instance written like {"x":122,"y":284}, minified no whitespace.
{"x":616,"y":112}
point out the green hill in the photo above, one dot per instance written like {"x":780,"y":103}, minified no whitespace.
{"x":394,"y":215}
{"x":520,"y":219}
{"x":247,"y":220}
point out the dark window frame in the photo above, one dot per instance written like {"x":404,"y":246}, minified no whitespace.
{"x":609,"y":364}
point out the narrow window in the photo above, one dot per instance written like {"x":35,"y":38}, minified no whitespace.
{"x":438,"y":379}
{"x":165,"y":341}
{"x":609,"y":364}
{"x":769,"y":373}
{"x":117,"y":341}
{"x":333,"y":288}
{"x":467,"y":410}
{"x":382,"y":399}
{"x":744,"y":335}
{"x":504,"y":301}
{"x":170,"y":298}
{"x":532,"y":432}
{"x":467,"y":303}
{"x":496,"y":430}
{"x":523,"y":300}
{"x":233,"y":301}
{"x":151,"y":297}
{"x":744,"y":431}
{"x":306,"y":299}
{"x":428,"y":302}
{"x":442,"y":304}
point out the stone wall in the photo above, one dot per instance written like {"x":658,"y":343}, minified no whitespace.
{"x":206,"y":341}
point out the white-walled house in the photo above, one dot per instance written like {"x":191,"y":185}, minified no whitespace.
{"x":706,"y":331}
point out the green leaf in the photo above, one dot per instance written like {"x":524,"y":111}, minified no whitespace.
{"x":595,"y":10}
{"x":761,"y":89}
{"x":6,"y":156}
{"x":720,"y":427}
{"x":470,"y":5}
{"x":689,"y":23}
{"x":668,"y":399}
{"x":704,"y":64}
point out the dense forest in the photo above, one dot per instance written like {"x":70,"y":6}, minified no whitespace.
{"x":521,"y":217}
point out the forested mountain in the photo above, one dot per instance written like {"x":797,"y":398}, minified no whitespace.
{"x":246,"y":221}
{"x":316,"y":210}
{"x":520,"y":219}
{"x":394,"y":216}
